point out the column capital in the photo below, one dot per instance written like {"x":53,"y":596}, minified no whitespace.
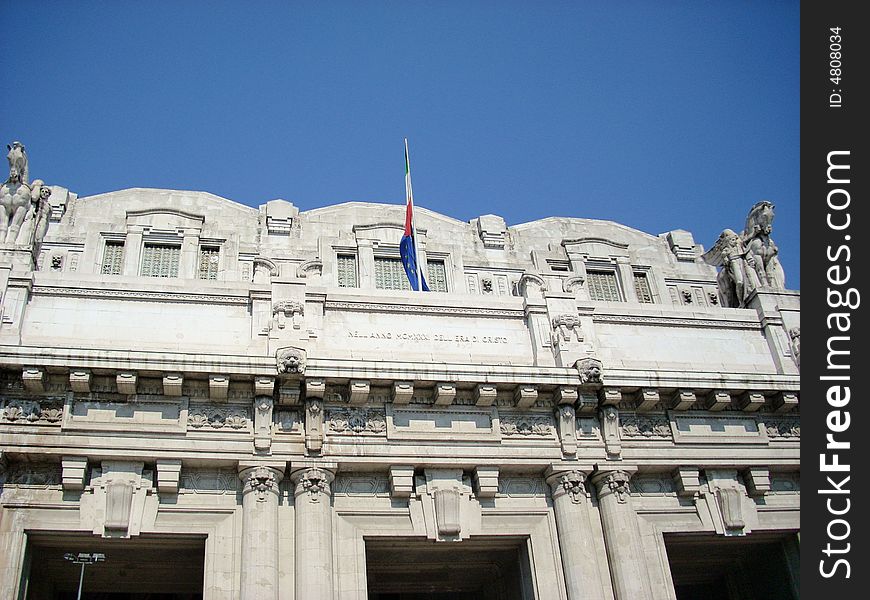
{"x":571,"y":482}
{"x":261,"y":479}
{"x":312,"y":481}
{"x":613,"y":482}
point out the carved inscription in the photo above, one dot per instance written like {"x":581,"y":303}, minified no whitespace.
{"x":417,"y":336}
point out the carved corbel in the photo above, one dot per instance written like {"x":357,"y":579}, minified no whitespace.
{"x":785,"y":402}
{"x":74,"y":471}
{"x":401,"y":481}
{"x":218,"y":387}
{"x":750,"y":401}
{"x":757,"y":481}
{"x":80,"y":381}
{"x":168,"y":475}
{"x":717,"y":400}
{"x":566,"y":422}
{"x":486,"y":481}
{"x":126,"y":382}
{"x":403,"y":392}
{"x":358,"y":391}
{"x":263,"y":408}
{"x":485,"y":394}
{"x":729,"y":496}
{"x":682,"y":399}
{"x":525,"y":396}
{"x":647,"y":399}
{"x":172,"y":384}
{"x":687,"y":481}
{"x":610,"y":430}
{"x":313,"y":425}
{"x":565,"y":394}
{"x":33,"y":379}
{"x":445,"y":393}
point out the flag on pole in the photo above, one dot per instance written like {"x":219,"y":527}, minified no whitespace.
{"x":408,"y":245}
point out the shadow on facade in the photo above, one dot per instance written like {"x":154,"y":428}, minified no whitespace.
{"x":754,"y":567}
{"x":144,"y":568}
{"x":475,"y":569}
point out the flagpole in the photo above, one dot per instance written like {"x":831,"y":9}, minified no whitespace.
{"x":413,"y":221}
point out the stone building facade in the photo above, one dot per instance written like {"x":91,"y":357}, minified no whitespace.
{"x":234,"y":402}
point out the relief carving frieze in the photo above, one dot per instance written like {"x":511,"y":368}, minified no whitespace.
{"x":31,"y":412}
{"x":42,"y":475}
{"x":356,"y":421}
{"x":644,"y":426}
{"x":527,"y":425}
{"x":212,"y":416}
{"x":783,"y":427}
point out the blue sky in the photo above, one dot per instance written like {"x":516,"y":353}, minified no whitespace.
{"x":659,"y":115}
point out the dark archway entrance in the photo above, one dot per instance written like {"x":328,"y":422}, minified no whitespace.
{"x":754,"y":567}
{"x":476,"y":569}
{"x":141,"y":568}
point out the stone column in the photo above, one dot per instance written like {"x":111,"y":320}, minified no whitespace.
{"x":313,"y":532}
{"x":622,"y":536}
{"x":571,"y":508}
{"x":260,"y":531}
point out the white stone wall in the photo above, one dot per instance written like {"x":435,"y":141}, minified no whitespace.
{"x":513,"y":406}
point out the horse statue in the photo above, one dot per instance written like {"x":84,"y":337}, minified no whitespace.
{"x":756,"y":238}
{"x":23,"y":206}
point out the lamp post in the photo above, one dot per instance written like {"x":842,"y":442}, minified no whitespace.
{"x":84,"y":559}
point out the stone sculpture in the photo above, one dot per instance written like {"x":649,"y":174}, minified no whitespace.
{"x":756,"y":237}
{"x":290,"y":361}
{"x":24,"y":214}
{"x":590,"y":370}
{"x":748,"y":260}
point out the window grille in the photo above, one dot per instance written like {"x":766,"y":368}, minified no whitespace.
{"x":347,"y":273}
{"x":436,"y":275}
{"x":641,"y":288}
{"x":602,"y":286}
{"x":160,"y":261}
{"x":113,"y":258}
{"x":390,"y":274}
{"x":208,"y":262}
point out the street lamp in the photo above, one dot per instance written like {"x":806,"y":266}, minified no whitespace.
{"x":84,"y":559}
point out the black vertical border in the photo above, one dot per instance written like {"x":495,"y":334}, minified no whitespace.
{"x":825,"y":129}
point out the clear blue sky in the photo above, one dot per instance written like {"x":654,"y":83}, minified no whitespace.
{"x":659,"y":115}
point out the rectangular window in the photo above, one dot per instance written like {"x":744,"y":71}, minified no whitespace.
{"x":436,"y":275}
{"x":113,"y":258}
{"x":160,"y":260}
{"x":390,"y":274}
{"x":347,"y":273}
{"x":602,"y":286}
{"x":208,"y":262}
{"x":641,"y":288}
